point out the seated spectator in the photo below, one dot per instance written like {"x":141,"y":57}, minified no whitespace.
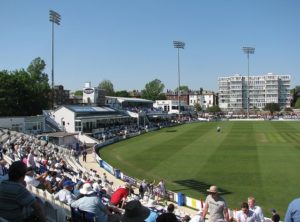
{"x":135,"y":212}
{"x":14,"y":196}
{"x":169,"y":216}
{"x":38,"y":181}
{"x":91,"y":203}
{"x":186,"y":218}
{"x":65,"y":195}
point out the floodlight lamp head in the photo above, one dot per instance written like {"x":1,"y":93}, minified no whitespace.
{"x":54,"y":17}
{"x":248,"y":50}
{"x":178,"y":44}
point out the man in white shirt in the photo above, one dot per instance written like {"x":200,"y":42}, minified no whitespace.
{"x":257,"y":209}
{"x":246,"y":215}
{"x":65,"y":195}
{"x":38,"y":181}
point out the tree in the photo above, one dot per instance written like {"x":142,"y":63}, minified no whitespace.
{"x":154,"y":90}
{"x":295,"y":95}
{"x":108,"y":87}
{"x":272,"y":107}
{"x":297,"y":104}
{"x":198,"y":107}
{"x":122,"y":93}
{"x":182,"y":88}
{"x":78,"y":93}
{"x":214,"y":109}
{"x":24,"y":93}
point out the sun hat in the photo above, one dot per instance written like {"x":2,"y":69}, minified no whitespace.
{"x":68,"y":183}
{"x":213,"y":189}
{"x":135,"y":212}
{"x":86,"y":189}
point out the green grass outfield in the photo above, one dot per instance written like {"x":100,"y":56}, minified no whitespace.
{"x":256,"y":158}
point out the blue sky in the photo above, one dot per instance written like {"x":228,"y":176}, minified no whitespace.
{"x":129,"y":42}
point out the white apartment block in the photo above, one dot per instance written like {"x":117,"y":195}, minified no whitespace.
{"x":263,"y":89}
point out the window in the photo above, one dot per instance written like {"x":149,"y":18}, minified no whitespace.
{"x":78,"y":126}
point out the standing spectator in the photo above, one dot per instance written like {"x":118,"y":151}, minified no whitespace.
{"x":162,"y":189}
{"x":14,"y":196}
{"x":246,"y":215}
{"x":3,"y":170}
{"x":30,"y":159}
{"x":141,"y":191}
{"x":293,"y":211}
{"x":216,"y":206}
{"x":118,"y":198}
{"x":275,"y":216}
{"x":84,"y":154}
{"x":169,"y":216}
{"x":256,"y":209}
{"x":1,"y":148}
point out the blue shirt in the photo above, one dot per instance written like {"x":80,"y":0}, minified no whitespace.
{"x":92,"y":204}
{"x":152,"y":217}
{"x":293,"y":211}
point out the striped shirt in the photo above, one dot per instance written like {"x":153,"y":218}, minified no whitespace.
{"x":13,"y":198}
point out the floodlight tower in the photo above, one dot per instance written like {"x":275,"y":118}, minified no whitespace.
{"x":54,"y":17}
{"x":178,"y":45}
{"x":248,"y":51}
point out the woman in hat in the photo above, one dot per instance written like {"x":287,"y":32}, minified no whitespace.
{"x":216,"y":206}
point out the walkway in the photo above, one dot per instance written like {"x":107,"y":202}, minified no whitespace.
{"x":92,"y":164}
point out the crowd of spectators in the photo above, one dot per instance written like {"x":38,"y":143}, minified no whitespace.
{"x":46,"y":167}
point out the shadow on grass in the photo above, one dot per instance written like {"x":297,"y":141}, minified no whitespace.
{"x":171,"y":131}
{"x":199,"y":186}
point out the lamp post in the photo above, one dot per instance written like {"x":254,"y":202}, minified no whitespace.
{"x":54,"y":17}
{"x":178,"y":45}
{"x":248,"y":51}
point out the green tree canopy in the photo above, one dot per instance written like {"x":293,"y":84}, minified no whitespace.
{"x":272,"y":107}
{"x":214,"y":109}
{"x":78,"y":93}
{"x":154,"y":90}
{"x":295,"y":95}
{"x":183,"y":88}
{"x":198,"y":107}
{"x":122,"y":93}
{"x":297,"y":104}
{"x":24,"y":93}
{"x":108,"y":87}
